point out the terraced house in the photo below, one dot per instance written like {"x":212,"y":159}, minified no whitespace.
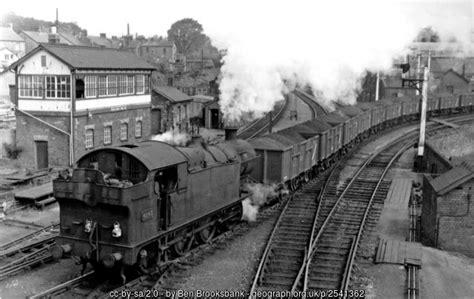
{"x":73,"y":99}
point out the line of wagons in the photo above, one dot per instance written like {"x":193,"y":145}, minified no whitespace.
{"x":298,"y":153}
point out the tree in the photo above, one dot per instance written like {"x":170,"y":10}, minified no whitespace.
{"x":427,"y":34}
{"x":187,"y":35}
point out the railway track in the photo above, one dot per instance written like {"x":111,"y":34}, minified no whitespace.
{"x":17,"y":256}
{"x":314,"y":238}
{"x":88,"y":285}
{"x":261,"y":125}
{"x":148,"y":283}
{"x":316,"y":109}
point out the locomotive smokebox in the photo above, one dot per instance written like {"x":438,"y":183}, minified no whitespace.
{"x":230,"y":133}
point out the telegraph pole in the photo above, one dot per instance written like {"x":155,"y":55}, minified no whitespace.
{"x":424,"y":100}
{"x":377,"y":87}
{"x":418,"y":69}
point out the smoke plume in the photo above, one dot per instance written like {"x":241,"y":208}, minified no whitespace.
{"x":329,"y":45}
{"x":173,"y":137}
{"x":259,"y":196}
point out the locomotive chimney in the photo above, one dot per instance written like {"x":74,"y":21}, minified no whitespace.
{"x":230,"y":133}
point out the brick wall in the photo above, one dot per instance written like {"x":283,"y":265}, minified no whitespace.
{"x":435,"y":162}
{"x":99,"y":120}
{"x":456,"y":220}
{"x":28,"y":130}
{"x":428,"y":213}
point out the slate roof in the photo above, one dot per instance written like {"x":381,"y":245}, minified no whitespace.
{"x":452,"y":178}
{"x":456,"y":74}
{"x":172,"y":94}
{"x":78,"y":57}
{"x":43,"y":37}
{"x":7,"y":34}
{"x":162,"y":43}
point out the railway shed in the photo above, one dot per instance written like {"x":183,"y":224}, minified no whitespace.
{"x":447,"y":218}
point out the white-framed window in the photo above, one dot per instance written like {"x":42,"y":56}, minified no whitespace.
{"x":31,"y":86}
{"x":58,"y":87}
{"x":124,"y":131}
{"x":138,"y":129}
{"x":112,"y":85}
{"x":108,"y":135}
{"x":63,"y":87}
{"x":122,"y":84}
{"x":140,"y":84}
{"x":91,"y":86}
{"x":130,"y":84}
{"x":89,"y":138}
{"x":102,"y":82}
{"x":50,"y":86}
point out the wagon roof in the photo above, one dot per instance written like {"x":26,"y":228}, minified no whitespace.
{"x":317,"y":125}
{"x":365,"y":106}
{"x":267,"y":143}
{"x":333,"y":119}
{"x":350,"y":110}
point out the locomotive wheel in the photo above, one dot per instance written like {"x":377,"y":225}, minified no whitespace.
{"x":179,"y":248}
{"x":206,"y":234}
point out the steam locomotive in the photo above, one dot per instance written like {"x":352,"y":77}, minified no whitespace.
{"x":136,"y":206}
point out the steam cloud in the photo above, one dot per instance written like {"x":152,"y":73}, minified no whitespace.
{"x":326,"y":45}
{"x":173,"y":137}
{"x":260,"y":195}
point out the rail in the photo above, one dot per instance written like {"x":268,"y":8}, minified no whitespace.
{"x":354,"y":248}
{"x":268,"y":248}
{"x":62,"y":288}
{"x":20,"y":240}
{"x":316,"y":108}
{"x":259,"y":126}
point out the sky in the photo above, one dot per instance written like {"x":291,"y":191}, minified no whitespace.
{"x":275,"y":45}
{"x":156,"y":16}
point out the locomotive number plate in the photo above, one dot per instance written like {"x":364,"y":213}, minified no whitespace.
{"x":147,"y":215}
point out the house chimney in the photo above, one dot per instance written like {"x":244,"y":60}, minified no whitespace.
{"x":103,"y":35}
{"x":53,"y":38}
{"x":128,"y":29}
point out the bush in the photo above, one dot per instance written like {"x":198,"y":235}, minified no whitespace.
{"x":12,"y":150}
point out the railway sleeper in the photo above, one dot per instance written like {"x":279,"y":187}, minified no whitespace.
{"x":280,"y":252}
{"x":291,"y":240}
{"x":275,"y":283}
{"x":315,"y":274}
{"x":282,"y":266}
{"x":341,"y":250}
